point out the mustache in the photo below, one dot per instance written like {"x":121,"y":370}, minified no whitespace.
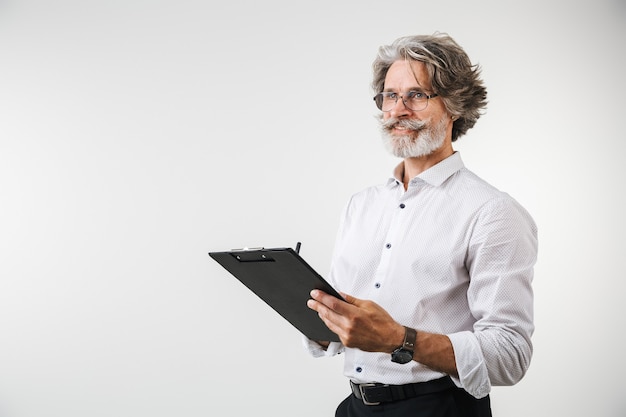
{"x":411,"y":124}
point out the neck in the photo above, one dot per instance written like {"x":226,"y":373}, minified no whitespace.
{"x":415,"y":166}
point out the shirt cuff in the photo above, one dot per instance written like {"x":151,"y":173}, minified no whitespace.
{"x":470,"y":363}
{"x":317,"y":350}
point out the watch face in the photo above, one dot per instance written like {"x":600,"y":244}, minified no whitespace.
{"x":402,"y":356}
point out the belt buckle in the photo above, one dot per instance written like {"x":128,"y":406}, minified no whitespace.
{"x":363,"y":398}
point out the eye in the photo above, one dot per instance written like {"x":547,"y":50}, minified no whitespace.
{"x":391,"y":95}
{"x":415,"y":95}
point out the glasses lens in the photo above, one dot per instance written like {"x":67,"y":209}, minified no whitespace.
{"x":389,"y":101}
{"x":386,"y":101}
{"x":413,"y":100}
{"x":416,"y":100}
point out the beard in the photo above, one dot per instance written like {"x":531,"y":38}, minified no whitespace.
{"x":421,"y":140}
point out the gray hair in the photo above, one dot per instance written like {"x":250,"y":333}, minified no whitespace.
{"x":452,"y":75}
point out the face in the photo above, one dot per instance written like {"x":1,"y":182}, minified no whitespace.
{"x":408,"y":133}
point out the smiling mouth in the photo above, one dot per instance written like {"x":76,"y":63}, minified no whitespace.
{"x":403,"y":126}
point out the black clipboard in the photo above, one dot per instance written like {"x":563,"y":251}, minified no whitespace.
{"x":283,"y":279}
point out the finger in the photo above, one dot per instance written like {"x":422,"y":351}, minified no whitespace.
{"x":330,"y":318}
{"x":327,"y":300}
{"x":323,"y":311}
{"x":314,"y":305}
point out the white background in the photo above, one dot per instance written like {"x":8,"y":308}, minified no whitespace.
{"x":137,"y":136}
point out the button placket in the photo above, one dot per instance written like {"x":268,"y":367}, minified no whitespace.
{"x":388,"y":246}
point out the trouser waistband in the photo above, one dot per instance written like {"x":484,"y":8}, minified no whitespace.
{"x":374,"y":394}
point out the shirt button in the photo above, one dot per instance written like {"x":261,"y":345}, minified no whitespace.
{"x":388,"y":245}
{"x":359,"y":369}
{"x":402,"y":205}
{"x":377,"y":285}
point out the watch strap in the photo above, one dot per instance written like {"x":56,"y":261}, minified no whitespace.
{"x":410,"y":338}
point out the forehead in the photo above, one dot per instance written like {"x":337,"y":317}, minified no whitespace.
{"x":406,"y":74}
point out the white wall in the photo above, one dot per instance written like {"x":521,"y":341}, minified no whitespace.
{"x":136,"y":136}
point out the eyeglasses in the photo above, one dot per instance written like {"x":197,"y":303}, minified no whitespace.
{"x":413,"y":100}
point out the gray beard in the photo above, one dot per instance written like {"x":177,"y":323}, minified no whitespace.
{"x":423,"y":140}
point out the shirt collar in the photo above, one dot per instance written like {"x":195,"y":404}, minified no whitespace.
{"x":435,"y":175}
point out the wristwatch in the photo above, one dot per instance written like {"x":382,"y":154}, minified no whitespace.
{"x":404,"y":353}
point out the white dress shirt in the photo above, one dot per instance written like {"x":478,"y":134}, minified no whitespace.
{"x":450,"y":255}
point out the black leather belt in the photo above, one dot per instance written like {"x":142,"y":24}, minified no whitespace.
{"x":374,"y":394}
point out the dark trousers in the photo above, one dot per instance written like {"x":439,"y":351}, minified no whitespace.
{"x":454,"y":402}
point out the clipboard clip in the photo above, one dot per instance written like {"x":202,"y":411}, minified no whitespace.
{"x":298,"y":245}
{"x":246,"y":249}
{"x":256,"y":254}
{"x":251,"y":255}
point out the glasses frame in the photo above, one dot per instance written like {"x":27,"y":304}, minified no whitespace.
{"x":378,"y":99}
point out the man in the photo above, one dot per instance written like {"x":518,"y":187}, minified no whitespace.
{"x":436,"y":265}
